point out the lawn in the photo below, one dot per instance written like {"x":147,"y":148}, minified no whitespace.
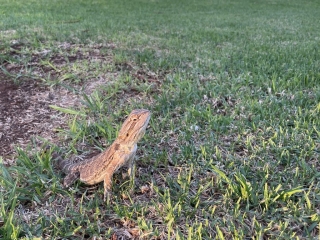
{"x":233,"y":145}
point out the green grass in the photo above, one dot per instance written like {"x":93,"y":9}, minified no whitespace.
{"x":232,"y":151}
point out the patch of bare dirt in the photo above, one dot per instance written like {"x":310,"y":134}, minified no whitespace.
{"x":25,"y":113}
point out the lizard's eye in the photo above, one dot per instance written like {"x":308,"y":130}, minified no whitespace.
{"x":127,"y":135}
{"x":134,"y":119}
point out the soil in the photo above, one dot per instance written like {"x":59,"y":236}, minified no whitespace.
{"x":25,"y":113}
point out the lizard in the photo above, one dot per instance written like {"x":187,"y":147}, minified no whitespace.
{"x":120,"y":153}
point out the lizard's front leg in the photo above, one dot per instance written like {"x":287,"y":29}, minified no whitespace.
{"x":131,"y":170}
{"x":107,"y":183}
{"x":131,"y":166}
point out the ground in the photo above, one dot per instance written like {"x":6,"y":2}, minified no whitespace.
{"x":232,"y":147}
{"x":26,"y":114}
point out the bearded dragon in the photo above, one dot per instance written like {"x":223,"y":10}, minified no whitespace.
{"x":121,"y":152}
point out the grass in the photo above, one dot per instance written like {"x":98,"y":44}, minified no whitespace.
{"x":232,"y":151}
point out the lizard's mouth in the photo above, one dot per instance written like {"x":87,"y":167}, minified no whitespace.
{"x":142,"y":130}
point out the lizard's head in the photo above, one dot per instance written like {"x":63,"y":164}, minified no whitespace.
{"x":135,"y":125}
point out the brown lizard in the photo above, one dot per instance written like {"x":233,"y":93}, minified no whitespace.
{"x":121,"y":152}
